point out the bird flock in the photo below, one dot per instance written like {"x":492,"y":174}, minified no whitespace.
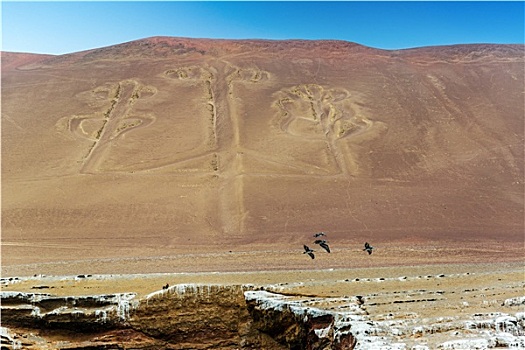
{"x":323,"y":243}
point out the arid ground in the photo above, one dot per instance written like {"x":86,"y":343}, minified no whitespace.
{"x":169,"y":155}
{"x":426,"y":305}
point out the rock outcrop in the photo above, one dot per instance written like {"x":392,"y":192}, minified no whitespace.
{"x":178,"y":317}
{"x":191,"y":316}
{"x":200,"y":317}
{"x":81,"y":314}
{"x":296,"y":322}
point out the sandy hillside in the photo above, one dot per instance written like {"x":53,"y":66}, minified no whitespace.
{"x":177,"y":155}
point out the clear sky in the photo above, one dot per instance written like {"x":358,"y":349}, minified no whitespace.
{"x":60,"y":27}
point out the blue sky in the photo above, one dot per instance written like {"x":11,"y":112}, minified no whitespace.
{"x":62,"y":27}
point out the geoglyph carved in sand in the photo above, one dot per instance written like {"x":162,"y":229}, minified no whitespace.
{"x":111,"y":123}
{"x":330,"y":115}
{"x":307,"y":112}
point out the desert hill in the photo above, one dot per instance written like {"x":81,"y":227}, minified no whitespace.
{"x":164,"y":147}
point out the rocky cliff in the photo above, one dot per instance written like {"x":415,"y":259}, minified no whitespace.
{"x":189,"y":316}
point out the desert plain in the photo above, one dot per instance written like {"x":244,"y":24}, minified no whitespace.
{"x":214,"y":161}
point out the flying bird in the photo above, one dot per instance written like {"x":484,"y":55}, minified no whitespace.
{"x":323,"y":244}
{"x":309,"y":251}
{"x":319,"y":234}
{"x":368,"y":248}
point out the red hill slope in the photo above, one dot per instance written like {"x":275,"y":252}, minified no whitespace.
{"x":168,"y":146}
